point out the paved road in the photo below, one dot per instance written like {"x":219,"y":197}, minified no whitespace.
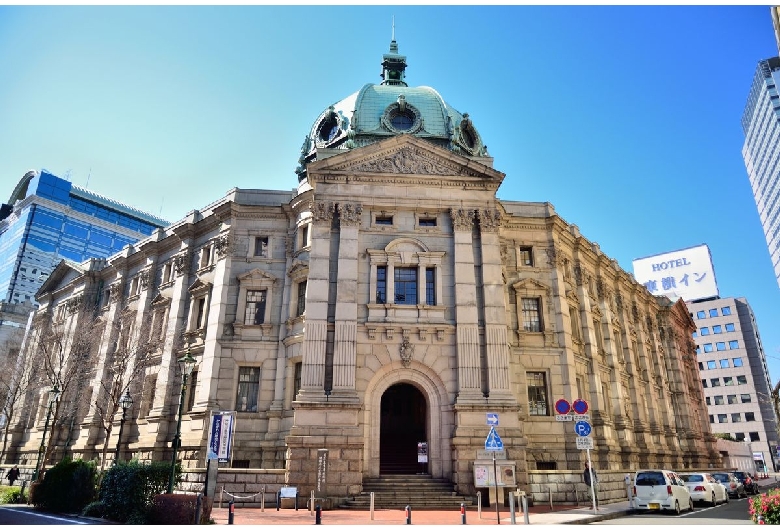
{"x":735,"y":512}
{"x":26,"y":515}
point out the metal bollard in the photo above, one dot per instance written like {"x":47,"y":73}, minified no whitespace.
{"x":462,"y":513}
{"x":231,"y":511}
{"x":198,"y":508}
{"x":479,"y":504}
{"x":512,"y":508}
{"x":408,"y":514}
{"x":318,"y":515}
{"x":262,"y":501}
{"x":525,"y":510}
{"x":371,"y":507}
{"x":311,"y":503}
{"x":278,"y":499}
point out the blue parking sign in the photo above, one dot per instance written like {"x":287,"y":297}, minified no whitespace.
{"x":582,"y":428}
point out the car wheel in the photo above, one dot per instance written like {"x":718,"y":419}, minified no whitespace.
{"x":727,"y":498}
{"x":677,"y":507}
{"x":714,"y":502}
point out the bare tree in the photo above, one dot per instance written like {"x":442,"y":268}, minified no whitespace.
{"x":15,"y":382}
{"x":133,"y":344}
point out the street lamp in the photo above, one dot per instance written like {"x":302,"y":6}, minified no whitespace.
{"x":54,"y":393}
{"x":126,"y":402}
{"x":187,"y":363}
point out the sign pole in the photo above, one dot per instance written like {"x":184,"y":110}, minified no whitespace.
{"x":495,"y":477}
{"x":592,"y":482}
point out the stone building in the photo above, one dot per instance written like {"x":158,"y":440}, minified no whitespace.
{"x":390,"y":299}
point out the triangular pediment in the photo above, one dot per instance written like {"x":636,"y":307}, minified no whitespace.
{"x":404,"y":155}
{"x":65,"y":272}
{"x":256,"y":275}
{"x":529,"y":284}
{"x":160,"y":300}
{"x":199,"y":285}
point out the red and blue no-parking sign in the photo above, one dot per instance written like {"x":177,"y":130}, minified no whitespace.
{"x":562,"y":406}
{"x":580,"y":406}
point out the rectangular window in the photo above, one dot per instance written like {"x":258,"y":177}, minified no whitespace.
{"x":736,"y":417}
{"x":248,"y":386}
{"x":701,"y":314}
{"x":737,"y":362}
{"x":304,"y":236}
{"x":703,"y":382}
{"x":712,"y":418}
{"x":705,"y":331}
{"x":384,"y":220}
{"x":192,"y":386}
{"x":725,"y":311}
{"x":695,"y":334}
{"x":254,"y":314}
{"x":707,"y":400}
{"x":750,"y":416}
{"x":729,"y":327}
{"x":297,"y":378}
{"x":741,"y":380}
{"x":200,"y":312}
{"x":754,"y":437}
{"x":167,"y":272}
{"x":723,"y":418}
{"x":526,"y":256}
{"x":701,"y":366}
{"x":717,"y":329}
{"x":531,"y":315}
{"x":711,"y":365}
{"x":739,"y":436}
{"x":575,"y":323}
{"x":728,"y":381}
{"x":430,"y":286}
{"x":745,"y":398}
{"x":381,"y":284}
{"x":301,"y":307}
{"x":719,"y":400}
{"x":715,"y":381}
{"x":147,"y":402}
{"x":205,"y":257}
{"x":733,"y":344}
{"x":261,"y":246}
{"x":537,"y":394}
{"x":724,"y":363}
{"x":405,"y":284}
{"x":732,"y":399}
{"x":708,"y":347}
{"x":720,"y":346}
{"x":713,"y":312}
{"x":427,"y":222}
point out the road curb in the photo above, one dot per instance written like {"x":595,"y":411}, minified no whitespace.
{"x":604,"y":517}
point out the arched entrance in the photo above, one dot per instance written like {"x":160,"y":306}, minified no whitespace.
{"x":404,"y":420}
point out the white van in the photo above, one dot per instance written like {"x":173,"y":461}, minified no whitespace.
{"x":661,"y":489}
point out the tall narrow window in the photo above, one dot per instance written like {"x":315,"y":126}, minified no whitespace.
{"x":255,"y":308}
{"x":201,"y":306}
{"x":301,"y":298}
{"x":304,"y":236}
{"x":405,"y":285}
{"x":192,"y":386}
{"x":147,"y":402}
{"x":531,"y":317}
{"x":381,"y":284}
{"x":430,"y":286}
{"x":537,"y":394}
{"x":167,"y":272}
{"x":575,"y":323}
{"x":261,"y":246}
{"x":526,"y":256}
{"x":297,"y":378}
{"x":248,"y":386}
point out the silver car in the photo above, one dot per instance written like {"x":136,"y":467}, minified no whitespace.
{"x":704,"y":488}
{"x":733,"y":485}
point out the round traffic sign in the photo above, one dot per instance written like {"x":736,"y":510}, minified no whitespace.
{"x":580,"y":406}
{"x":582,"y":428}
{"x":562,"y":406}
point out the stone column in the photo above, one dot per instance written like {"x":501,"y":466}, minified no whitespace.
{"x":469,"y":380}
{"x":313,"y":370}
{"x":344,"y":353}
{"x":494,"y":308}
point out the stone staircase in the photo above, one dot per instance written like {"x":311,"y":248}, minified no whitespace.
{"x":397,"y":491}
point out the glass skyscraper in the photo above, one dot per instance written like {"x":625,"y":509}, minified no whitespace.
{"x":48,"y":219}
{"x":761,"y":151}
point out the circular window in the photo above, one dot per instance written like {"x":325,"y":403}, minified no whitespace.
{"x":402,"y":121}
{"x":329,"y":128}
{"x":468,"y":138}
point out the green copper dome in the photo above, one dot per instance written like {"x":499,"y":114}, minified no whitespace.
{"x":377,"y":112}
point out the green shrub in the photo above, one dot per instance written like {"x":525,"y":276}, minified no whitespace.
{"x":127,"y":489}
{"x":94,"y":509}
{"x":12,"y":495}
{"x":66,"y":488}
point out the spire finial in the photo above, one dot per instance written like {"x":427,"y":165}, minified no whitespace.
{"x":392,"y":36}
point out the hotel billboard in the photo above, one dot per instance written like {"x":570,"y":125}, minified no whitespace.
{"x":687,"y":273}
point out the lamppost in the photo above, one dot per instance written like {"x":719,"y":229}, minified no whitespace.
{"x":54,"y":393}
{"x":126,"y":402}
{"x":187,"y":363}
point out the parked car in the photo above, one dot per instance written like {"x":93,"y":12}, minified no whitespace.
{"x":661,"y":489}
{"x":751,"y":484}
{"x":733,"y":485}
{"x":704,"y":488}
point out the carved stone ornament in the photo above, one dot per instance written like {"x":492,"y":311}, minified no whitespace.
{"x":462,"y":219}
{"x":489,"y":220}
{"x":634,"y":313}
{"x":578,"y":274}
{"x":143,"y":278}
{"x":322,"y":211}
{"x":181,"y":263}
{"x":222,"y":245}
{"x":406,"y":351}
{"x":409,"y":161}
{"x":619,"y":301}
{"x":601,"y":289}
{"x":115,"y":291}
{"x":72,"y":304}
{"x":349,"y":214}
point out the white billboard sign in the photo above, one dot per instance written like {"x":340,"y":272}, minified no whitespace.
{"x":686,"y":274}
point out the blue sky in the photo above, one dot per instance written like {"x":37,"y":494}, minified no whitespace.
{"x":626,"y":119}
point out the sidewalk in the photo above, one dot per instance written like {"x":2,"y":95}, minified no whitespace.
{"x":538,"y":515}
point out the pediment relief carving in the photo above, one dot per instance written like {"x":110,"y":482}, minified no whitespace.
{"x":406,"y":244}
{"x":530,"y":284}
{"x":160,"y":300}
{"x":299,"y":269}
{"x":572,"y":296}
{"x":199,"y":286}
{"x":256,"y":275}
{"x":408,"y":160}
